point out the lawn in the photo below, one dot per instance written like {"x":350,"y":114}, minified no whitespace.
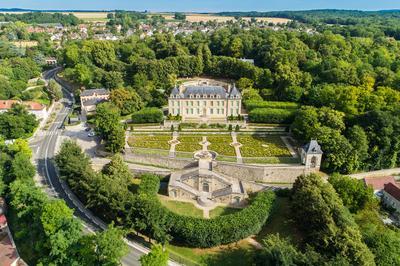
{"x":262,"y":146}
{"x":189,"y":143}
{"x":220,"y":144}
{"x":182,"y":208}
{"x":221,"y":210}
{"x":150,"y":141}
{"x":37,"y":94}
{"x":235,"y":254}
{"x":281,"y":223}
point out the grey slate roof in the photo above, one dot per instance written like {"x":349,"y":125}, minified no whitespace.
{"x":175,"y":91}
{"x":95,"y":91}
{"x":312,"y":147}
{"x":93,"y":102}
{"x":234,"y":91}
{"x":204,"y":90}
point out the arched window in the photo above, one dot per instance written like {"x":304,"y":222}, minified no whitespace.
{"x":206,"y":187}
{"x":313,"y":162}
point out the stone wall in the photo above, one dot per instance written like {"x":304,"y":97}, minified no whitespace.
{"x":278,"y":173}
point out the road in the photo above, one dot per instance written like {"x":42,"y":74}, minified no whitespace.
{"x":43,"y":145}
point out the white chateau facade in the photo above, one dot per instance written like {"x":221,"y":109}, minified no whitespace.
{"x":204,"y":102}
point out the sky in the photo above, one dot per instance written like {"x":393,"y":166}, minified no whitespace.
{"x":202,"y":5}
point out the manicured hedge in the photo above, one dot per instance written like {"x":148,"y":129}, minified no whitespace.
{"x":198,"y":232}
{"x":148,"y":115}
{"x":250,"y":105}
{"x":272,"y":116}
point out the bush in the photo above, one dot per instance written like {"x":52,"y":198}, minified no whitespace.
{"x":250,"y":105}
{"x":198,"y":232}
{"x":148,"y":115}
{"x":271,"y":115}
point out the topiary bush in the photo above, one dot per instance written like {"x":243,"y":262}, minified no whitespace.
{"x":148,"y":115}
{"x":272,"y":116}
{"x":198,"y":232}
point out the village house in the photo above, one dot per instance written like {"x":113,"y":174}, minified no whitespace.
{"x":91,"y":98}
{"x":391,"y":196}
{"x":35,"y":108}
{"x":205,"y":102}
{"x":378,"y":183}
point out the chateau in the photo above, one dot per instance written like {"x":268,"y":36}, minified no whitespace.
{"x":204,"y":101}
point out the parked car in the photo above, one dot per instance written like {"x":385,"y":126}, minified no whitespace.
{"x":87,"y":129}
{"x":91,"y":134}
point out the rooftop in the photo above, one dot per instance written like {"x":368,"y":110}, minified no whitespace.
{"x":312,"y":147}
{"x":378,"y":183}
{"x":30,"y":105}
{"x":95,"y":92}
{"x":204,"y":90}
{"x":392,"y":190}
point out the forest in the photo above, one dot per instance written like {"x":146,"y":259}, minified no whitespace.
{"x":41,"y":18}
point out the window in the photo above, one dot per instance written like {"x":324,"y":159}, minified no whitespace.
{"x":191,"y":103}
{"x":205,"y":96}
{"x":212,"y":96}
{"x":191,"y":110}
{"x":212,"y":103}
{"x":237,"y":103}
{"x":211,"y":111}
{"x":218,"y":96}
{"x":313,"y":162}
{"x":198,"y":103}
{"x":197,"y":95}
{"x":191,"y":96}
{"x":206,"y":187}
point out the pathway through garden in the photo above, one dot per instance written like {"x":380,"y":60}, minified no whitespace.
{"x":285,"y":140}
{"x":173,"y":144}
{"x":236,"y":145}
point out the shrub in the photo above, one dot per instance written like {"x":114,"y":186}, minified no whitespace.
{"x":198,"y":232}
{"x":271,"y":115}
{"x":250,"y":105}
{"x":148,"y":115}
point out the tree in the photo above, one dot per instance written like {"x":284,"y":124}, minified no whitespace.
{"x":62,"y":231}
{"x":156,"y":257}
{"x":106,"y":119}
{"x":109,"y":246}
{"x":118,"y":170}
{"x":179,"y":16}
{"x":328,"y":226}
{"x":21,"y":167}
{"x":354,"y":194}
{"x":55,"y":90}
{"x":128,"y":101}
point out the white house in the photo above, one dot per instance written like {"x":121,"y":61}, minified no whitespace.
{"x":35,"y":108}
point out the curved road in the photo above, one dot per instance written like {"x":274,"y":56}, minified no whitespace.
{"x":43,"y":145}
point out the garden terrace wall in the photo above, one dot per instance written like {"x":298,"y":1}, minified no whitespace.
{"x":279,"y":173}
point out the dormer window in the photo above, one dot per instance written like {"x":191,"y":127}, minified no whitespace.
{"x":197,"y":95}
{"x":191,"y":96}
{"x":212,"y":96}
{"x":204,"y":95}
{"x":218,"y":96}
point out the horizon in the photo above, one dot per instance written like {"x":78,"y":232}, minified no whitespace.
{"x":205,"y":6}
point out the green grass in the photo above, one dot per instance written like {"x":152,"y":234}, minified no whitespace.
{"x":148,"y":151}
{"x":182,"y":208}
{"x":150,"y":141}
{"x":220,"y":210}
{"x":281,"y":223}
{"x":262,"y":146}
{"x":220,"y":144}
{"x":189,"y":143}
{"x":236,"y":254}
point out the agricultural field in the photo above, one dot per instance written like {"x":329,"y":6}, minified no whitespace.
{"x":220,"y":144}
{"x":212,"y":17}
{"x":262,"y":146}
{"x":150,"y":141}
{"x":91,"y":16}
{"x":189,"y":143}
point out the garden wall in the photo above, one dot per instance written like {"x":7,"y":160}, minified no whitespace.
{"x":269,"y":174}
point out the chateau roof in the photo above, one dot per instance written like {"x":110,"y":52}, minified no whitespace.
{"x":93,"y":102}
{"x":312,"y":147}
{"x":234,"y":92}
{"x":95,"y":92}
{"x":175,"y":91}
{"x":205,"y":90}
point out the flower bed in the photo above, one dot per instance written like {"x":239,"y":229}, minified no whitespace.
{"x":262,"y":146}
{"x":189,"y":143}
{"x":150,"y":141}
{"x":221,"y":144}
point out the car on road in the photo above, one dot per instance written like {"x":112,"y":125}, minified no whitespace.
{"x":91,"y":134}
{"x":88,"y":129}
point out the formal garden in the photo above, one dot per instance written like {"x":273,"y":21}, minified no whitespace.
{"x":253,"y":148}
